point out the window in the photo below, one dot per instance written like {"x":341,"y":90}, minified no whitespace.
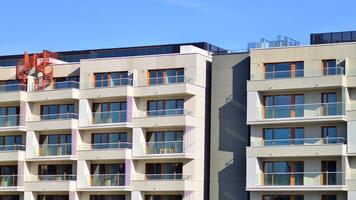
{"x":9,"y":197}
{"x":283,"y":136}
{"x":9,"y":116}
{"x":163,"y":197}
{"x":330,"y":68}
{"x":11,"y":142}
{"x":107,"y":174}
{"x":55,"y":172}
{"x":166,"y":107}
{"x":53,"y":197}
{"x":328,"y":169}
{"x":329,"y":134}
{"x":164,"y":171}
{"x":66,"y":82}
{"x":109,"y":140}
{"x":110,"y":112}
{"x":329,"y":104}
{"x":107,"y":197}
{"x":55,"y":144}
{"x":9,"y":175}
{"x":329,"y":197}
{"x":283,"y":106}
{"x":159,"y":142}
{"x":165,"y":76}
{"x":284,"y":70}
{"x":283,"y":173}
{"x":111,"y":79}
{"x":282,"y":197}
{"x":58,"y":111}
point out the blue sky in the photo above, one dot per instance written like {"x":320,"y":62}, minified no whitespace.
{"x":33,"y":25}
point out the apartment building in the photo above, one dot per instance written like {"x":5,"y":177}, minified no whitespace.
{"x":114,"y":124}
{"x":301,"y":111}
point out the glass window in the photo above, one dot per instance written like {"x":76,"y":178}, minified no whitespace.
{"x":336,"y":37}
{"x":165,"y":107}
{"x":280,"y":172}
{"x":329,"y":175}
{"x":329,"y":135}
{"x":166,"y":76}
{"x":283,"y":106}
{"x":330,"y":68}
{"x":284,"y":70}
{"x":346,"y":37}
{"x":329,"y":104}
{"x":329,"y":197}
{"x":9,"y":116}
{"x":109,"y":140}
{"x":283,"y":197}
{"x":58,"y":111}
{"x":164,"y":170}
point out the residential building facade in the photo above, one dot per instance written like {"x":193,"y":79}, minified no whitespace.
{"x":115,"y":124}
{"x":301,"y":112}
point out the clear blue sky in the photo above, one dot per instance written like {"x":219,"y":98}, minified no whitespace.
{"x":34,"y":25}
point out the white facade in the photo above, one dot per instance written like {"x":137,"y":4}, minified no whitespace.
{"x":81,"y":121}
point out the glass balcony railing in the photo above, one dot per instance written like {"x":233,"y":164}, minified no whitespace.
{"x":165,"y":147}
{"x":301,"y":179}
{"x":303,"y":110}
{"x":169,"y":80}
{"x":299,"y":141}
{"x":301,"y":73}
{"x":110,"y":117}
{"x":8,"y":180}
{"x":9,"y":120}
{"x":99,"y":146}
{"x":55,"y":149}
{"x":57,"y":177}
{"x":177,"y":176}
{"x":12,"y":88}
{"x":13,"y":147}
{"x":113,"y":83}
{"x":167,"y":112}
{"x":65,"y":85}
{"x":107,"y":179}
{"x":59,"y":116}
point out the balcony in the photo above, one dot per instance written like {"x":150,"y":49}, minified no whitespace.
{"x":103,"y":89}
{"x":61,"y":182}
{"x":334,"y":111}
{"x":301,"y":147}
{"x":57,"y":91}
{"x":164,"y":182}
{"x":51,"y":152}
{"x":167,"y":149}
{"x":105,"y":151}
{"x":54,"y":122}
{"x":9,"y":183}
{"x":300,"y":181}
{"x":13,"y":152}
{"x":112,"y":119}
{"x":105,"y":183}
{"x":10,"y":123}
{"x":168,"y":117}
{"x":13,"y":92}
{"x":297,"y":79}
{"x":163,"y":86}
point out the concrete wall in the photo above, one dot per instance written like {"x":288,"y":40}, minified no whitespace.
{"x":229,"y":132}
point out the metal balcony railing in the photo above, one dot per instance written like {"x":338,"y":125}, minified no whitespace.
{"x":65,"y":85}
{"x":112,"y":83}
{"x":299,"y":141}
{"x":177,"y":176}
{"x":99,"y":146}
